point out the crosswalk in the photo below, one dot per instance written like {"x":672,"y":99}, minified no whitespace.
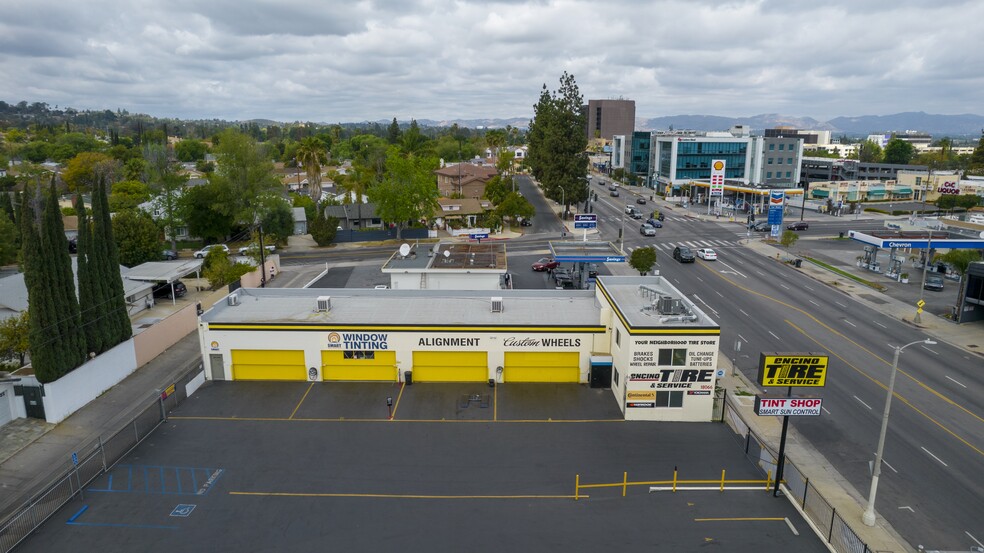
{"x":692,"y":244}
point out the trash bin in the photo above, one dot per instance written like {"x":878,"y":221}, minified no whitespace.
{"x":798,"y":263}
{"x":841,"y":234}
{"x":408,"y":378}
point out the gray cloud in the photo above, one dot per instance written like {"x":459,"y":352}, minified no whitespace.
{"x":440,"y":59}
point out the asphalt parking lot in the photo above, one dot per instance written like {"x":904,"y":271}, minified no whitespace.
{"x":291,"y":466}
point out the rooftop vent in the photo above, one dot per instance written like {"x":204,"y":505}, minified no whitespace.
{"x":497,"y":305}
{"x":324,"y":304}
{"x":232,"y":299}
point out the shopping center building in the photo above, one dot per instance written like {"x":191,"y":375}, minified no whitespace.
{"x":655,"y":349}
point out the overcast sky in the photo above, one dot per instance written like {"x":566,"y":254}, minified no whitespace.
{"x":333,"y":61}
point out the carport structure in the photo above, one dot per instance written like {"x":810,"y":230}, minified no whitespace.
{"x":165,"y":272}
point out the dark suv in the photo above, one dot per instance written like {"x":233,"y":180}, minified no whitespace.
{"x":683,"y":254}
{"x":163,"y":290}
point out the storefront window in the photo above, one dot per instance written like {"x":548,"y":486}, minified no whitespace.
{"x":358,"y":354}
{"x":673,"y":357}
{"x":669,"y":399}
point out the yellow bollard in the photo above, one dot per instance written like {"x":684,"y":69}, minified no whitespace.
{"x":722,"y":480}
{"x":625,"y":480}
{"x":768,"y":480}
{"x":577,"y":485}
{"x":674,"y":478}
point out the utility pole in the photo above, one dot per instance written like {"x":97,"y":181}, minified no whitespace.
{"x":929,"y":247}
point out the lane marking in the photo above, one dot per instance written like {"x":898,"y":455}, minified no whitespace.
{"x":719,"y":293}
{"x":784,"y":286}
{"x":740,"y":336}
{"x":825,"y":410}
{"x":841,"y":304}
{"x":791,"y":527}
{"x":399,"y":396}
{"x":911,"y":510}
{"x":745,"y":314}
{"x":760,"y":273}
{"x":404,"y":496}
{"x":934,"y":456}
{"x":740,"y":519}
{"x":814,"y":303}
{"x":308,"y":391}
{"x":850,"y":323}
{"x":109,"y":525}
{"x":879,"y":324}
{"x":737,"y":272}
{"x":955,"y":382}
{"x":929,"y":350}
{"x":884,"y":462}
{"x":973,"y":538}
{"x":810,"y":288}
{"x":774,"y":336}
{"x":862,"y":403}
{"x":78,"y":514}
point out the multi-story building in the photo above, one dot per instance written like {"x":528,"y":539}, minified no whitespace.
{"x":810,"y":138}
{"x":639,"y":158}
{"x":618,"y":151}
{"x":827,"y":169}
{"x":607,"y":118}
{"x":464,"y":180}
{"x":680,"y":157}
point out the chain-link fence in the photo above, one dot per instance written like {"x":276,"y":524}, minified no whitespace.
{"x":834,"y":528}
{"x":93,"y":459}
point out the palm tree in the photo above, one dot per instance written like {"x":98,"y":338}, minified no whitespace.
{"x":311,"y":154}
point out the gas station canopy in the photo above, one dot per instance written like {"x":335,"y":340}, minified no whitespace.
{"x":570,"y":251}
{"x":918,"y":240}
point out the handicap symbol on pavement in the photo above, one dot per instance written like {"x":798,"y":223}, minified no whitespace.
{"x":182,"y":510}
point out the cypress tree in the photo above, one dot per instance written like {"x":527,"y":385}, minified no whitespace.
{"x":42,"y":317}
{"x":55,"y":246}
{"x":116,"y":319}
{"x":89,"y":300}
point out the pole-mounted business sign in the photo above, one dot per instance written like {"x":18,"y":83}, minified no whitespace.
{"x":792,"y":369}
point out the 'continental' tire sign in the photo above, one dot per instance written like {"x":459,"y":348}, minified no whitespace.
{"x":792,"y":369}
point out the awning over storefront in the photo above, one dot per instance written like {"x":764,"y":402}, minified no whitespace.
{"x":903,"y":190}
{"x":820,"y":193}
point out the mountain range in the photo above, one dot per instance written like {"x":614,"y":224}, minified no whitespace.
{"x":964,"y":125}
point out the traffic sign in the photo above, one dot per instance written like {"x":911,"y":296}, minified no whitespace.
{"x":75,"y":458}
{"x":478,"y":236}
{"x":586,"y":217}
{"x":921,"y":303}
{"x":919,"y":310}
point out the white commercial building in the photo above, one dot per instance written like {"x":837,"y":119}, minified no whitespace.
{"x":654,"y":348}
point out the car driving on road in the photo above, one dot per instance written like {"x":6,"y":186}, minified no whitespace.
{"x":798,"y":225}
{"x":202,"y":253}
{"x":707,"y":254}
{"x":647,"y":230}
{"x":683,"y":254}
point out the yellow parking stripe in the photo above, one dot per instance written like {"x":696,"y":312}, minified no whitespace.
{"x":401,"y":496}
{"x":292,"y":413}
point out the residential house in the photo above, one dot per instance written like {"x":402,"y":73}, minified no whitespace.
{"x":355,"y":216}
{"x":465,"y":210}
{"x":464,"y":180}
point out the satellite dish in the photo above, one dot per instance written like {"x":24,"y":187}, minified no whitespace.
{"x":447,"y":253}
{"x":404,"y":249}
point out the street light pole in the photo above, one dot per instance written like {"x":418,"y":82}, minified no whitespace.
{"x":621,"y":235}
{"x":868,"y":518}
{"x":929,"y":246}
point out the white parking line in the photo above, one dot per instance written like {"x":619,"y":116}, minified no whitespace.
{"x":791,"y":527}
{"x":861,"y":402}
{"x":934,"y":456}
{"x":955,"y":382}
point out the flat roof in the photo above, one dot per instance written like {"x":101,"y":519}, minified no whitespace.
{"x":445,"y":309}
{"x":451,"y":257}
{"x":164,"y":271}
{"x":636,"y":303}
{"x":570,"y":251}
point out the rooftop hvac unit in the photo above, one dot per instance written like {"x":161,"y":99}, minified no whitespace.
{"x":324,"y":304}
{"x":497,"y":305}
{"x":668,"y":305}
{"x":232,"y":299}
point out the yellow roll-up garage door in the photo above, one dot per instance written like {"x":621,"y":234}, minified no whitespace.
{"x":450,"y":366}
{"x":359,"y":365}
{"x":528,"y":366}
{"x":268,"y":364}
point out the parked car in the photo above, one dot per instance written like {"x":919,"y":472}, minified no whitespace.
{"x":683,"y":254}
{"x":798,"y":225}
{"x":655,"y":223}
{"x":647,"y":230}
{"x":563,"y":277}
{"x":169,"y":255}
{"x":73,"y":245}
{"x":761,"y":226}
{"x":592,"y":270}
{"x":613,"y":193}
{"x":202,"y":253}
{"x":934,"y":283}
{"x":252,"y":247}
{"x":641,"y":201}
{"x":545,"y":264}
{"x":163,"y":290}
{"x":528,"y":222}
{"x":707,"y":254}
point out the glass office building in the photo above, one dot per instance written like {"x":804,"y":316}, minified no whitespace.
{"x":679,"y":159}
{"x":639,"y":160}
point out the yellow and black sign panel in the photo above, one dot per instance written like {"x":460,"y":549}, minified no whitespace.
{"x":792,"y":369}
